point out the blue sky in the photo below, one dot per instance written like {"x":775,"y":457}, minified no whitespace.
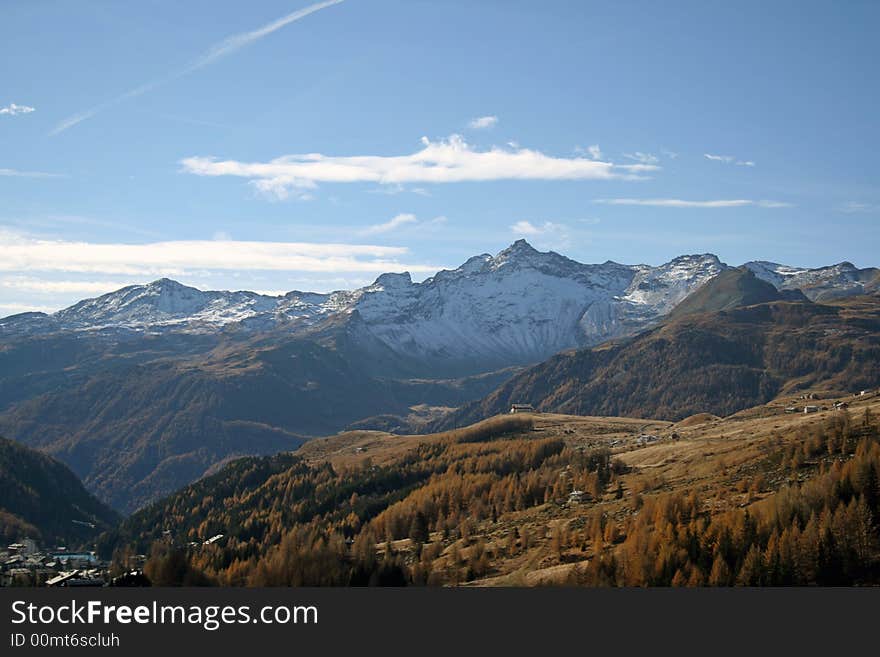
{"x":281,"y":145}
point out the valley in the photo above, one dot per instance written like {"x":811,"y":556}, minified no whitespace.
{"x":148,"y":389}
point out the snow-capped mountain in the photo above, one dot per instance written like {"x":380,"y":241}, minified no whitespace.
{"x":840,"y":280}
{"x":518,"y":306}
{"x":523,"y":305}
{"x":655,"y":291}
{"x":163,"y":303}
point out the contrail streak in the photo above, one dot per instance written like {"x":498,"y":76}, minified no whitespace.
{"x":226,"y":47}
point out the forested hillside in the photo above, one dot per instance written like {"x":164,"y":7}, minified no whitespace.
{"x":42,"y":499}
{"x":760,"y":498}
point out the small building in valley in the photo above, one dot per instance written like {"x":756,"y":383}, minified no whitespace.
{"x":811,"y":409}
{"x":522,"y":408}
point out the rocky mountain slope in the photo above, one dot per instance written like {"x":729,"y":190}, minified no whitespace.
{"x":840,"y":280}
{"x":718,"y":362}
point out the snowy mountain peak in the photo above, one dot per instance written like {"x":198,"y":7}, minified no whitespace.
{"x":519,"y":249}
{"x":842,"y":279}
{"x":696,"y":258}
{"x":475,"y":264}
{"x":392,"y":280}
{"x":163,"y":303}
{"x":518,"y":306}
{"x":522,"y":255}
{"x":167,"y":284}
{"x":659,"y":289}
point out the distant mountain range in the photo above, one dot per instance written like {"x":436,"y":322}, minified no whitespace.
{"x":493,"y":311}
{"x":146,"y":389}
{"x":517,"y":307}
{"x":840,"y":280}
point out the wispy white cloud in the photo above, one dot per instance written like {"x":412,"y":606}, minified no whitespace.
{"x":11,"y":308}
{"x":858,"y":207}
{"x":524,"y":228}
{"x":483,"y":122}
{"x":729,"y":159}
{"x":402,"y":220}
{"x":528,"y":228}
{"x":774,"y":204}
{"x":643,"y":158}
{"x":593,"y":151}
{"x":13,"y":110}
{"x":23,"y":253}
{"x":42,"y":286}
{"x":239,"y":41}
{"x":15,"y":173}
{"x":446,"y":161}
{"x":680,"y":203}
{"x":219,"y":50}
{"x":395,"y":222}
{"x":55,"y":223}
{"x":393,"y":190}
{"x":719,"y":158}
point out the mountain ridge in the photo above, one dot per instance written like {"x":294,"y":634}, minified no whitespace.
{"x":718,"y":362}
{"x":730,"y":289}
{"x":516,"y":307}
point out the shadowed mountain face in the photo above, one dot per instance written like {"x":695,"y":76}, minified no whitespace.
{"x":136,"y":431}
{"x":718,"y":362}
{"x":143,"y":390}
{"x":42,"y":499}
